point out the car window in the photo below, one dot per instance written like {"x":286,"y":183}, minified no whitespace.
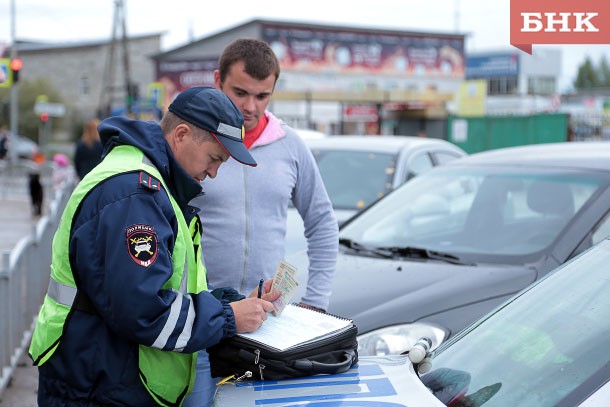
{"x":443,"y":157}
{"x":538,"y":348}
{"x":602,"y":231}
{"x":418,"y":164}
{"x":355,"y":179}
{"x":482,"y":212}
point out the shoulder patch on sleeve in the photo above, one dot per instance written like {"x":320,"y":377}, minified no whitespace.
{"x":149,"y":182}
{"x":142,"y":244}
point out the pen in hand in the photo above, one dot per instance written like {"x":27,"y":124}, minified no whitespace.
{"x":260,"y":288}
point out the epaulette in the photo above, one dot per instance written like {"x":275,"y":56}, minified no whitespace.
{"x":149,"y":182}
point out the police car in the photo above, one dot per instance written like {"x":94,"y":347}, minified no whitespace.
{"x":377,"y":381}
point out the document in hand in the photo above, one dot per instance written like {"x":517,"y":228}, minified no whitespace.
{"x":297,"y":326}
{"x":285,"y":282}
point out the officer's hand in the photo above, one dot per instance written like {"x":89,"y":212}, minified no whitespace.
{"x":250,"y":313}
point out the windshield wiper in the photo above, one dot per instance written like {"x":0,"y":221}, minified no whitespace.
{"x":408,"y":251}
{"x":360,"y":248}
{"x":421,"y":253}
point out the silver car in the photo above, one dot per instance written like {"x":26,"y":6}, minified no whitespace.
{"x":358,"y":170}
{"x":454,"y":243}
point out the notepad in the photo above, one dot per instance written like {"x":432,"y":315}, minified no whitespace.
{"x":297,"y":326}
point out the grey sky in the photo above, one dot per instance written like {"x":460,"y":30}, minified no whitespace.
{"x":486,"y":21}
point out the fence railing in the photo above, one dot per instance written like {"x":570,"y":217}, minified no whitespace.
{"x":24,"y":277}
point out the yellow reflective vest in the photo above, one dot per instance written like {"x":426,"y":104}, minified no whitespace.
{"x":168,"y":376}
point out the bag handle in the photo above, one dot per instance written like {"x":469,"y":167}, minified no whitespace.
{"x":306,"y":365}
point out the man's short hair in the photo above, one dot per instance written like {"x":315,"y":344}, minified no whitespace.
{"x":170,"y":121}
{"x":259,"y":59}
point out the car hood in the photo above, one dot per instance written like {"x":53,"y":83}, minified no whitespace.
{"x":374,"y":381}
{"x":378,"y":292}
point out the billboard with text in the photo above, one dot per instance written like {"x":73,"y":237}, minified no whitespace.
{"x":367,"y":52}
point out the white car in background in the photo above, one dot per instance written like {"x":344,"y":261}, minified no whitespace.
{"x":358,"y":170}
{"x":308,"y":134}
{"x":23,"y":147}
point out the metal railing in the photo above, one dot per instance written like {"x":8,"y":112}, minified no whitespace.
{"x":24,"y":277}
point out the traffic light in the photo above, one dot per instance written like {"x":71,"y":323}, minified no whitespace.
{"x":16,"y":65}
{"x":44,"y":117}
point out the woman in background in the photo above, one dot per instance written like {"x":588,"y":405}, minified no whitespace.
{"x":88,"y":152}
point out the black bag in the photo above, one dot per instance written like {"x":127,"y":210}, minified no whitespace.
{"x":238,"y":355}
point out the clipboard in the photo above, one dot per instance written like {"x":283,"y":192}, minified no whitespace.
{"x":297,"y":326}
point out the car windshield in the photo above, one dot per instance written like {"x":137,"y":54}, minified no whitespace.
{"x":476,"y":213}
{"x":537,"y":349}
{"x":355,"y":179}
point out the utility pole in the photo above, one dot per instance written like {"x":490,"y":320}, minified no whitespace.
{"x":14,"y":112}
{"x":109,"y":89}
{"x":124,"y":42}
{"x":456,"y":16}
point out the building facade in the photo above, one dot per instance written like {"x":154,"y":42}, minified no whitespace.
{"x":516,"y":82}
{"x":90,"y":76}
{"x":339,"y":79}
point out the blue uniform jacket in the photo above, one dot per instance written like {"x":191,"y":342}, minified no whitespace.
{"x":97,"y":361}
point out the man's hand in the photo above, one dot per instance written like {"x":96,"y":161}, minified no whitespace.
{"x":250,"y":313}
{"x":268,"y":294}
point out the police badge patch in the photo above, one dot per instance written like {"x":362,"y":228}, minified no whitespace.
{"x":142,"y":244}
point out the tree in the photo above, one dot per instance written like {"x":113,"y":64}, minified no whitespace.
{"x":28,"y":92}
{"x":590,"y":76}
{"x":587,"y":76}
{"x":604,"y":72}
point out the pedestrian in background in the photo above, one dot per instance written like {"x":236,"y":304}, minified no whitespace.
{"x":127,"y":306}
{"x":244,"y":226}
{"x":62,"y":172}
{"x":36,"y":191}
{"x":88,"y":152}
{"x":4,"y":142}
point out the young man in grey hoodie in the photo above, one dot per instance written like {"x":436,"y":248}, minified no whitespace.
{"x":245,"y":209}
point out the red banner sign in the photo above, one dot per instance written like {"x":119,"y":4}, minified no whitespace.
{"x":559,"y":22}
{"x":360,"y":113}
{"x":331,"y":50}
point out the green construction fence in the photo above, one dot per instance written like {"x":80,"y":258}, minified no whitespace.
{"x":475,"y":134}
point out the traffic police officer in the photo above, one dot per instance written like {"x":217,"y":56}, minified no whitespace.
{"x":127,"y":307}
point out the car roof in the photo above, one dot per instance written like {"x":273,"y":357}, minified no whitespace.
{"x":377,"y":143}
{"x":309,"y":134}
{"x":575,"y":154}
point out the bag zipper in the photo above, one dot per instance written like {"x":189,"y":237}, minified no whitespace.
{"x":261,"y":367}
